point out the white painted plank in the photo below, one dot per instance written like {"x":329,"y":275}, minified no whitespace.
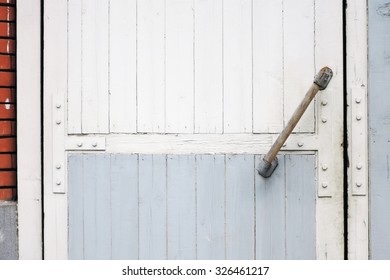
{"x":267,"y":66}
{"x":74,"y":66}
{"x":75,"y":207}
{"x":152,"y":207}
{"x":210,"y":201}
{"x":300,"y":207}
{"x":208,"y":66}
{"x":151,"y":66}
{"x":95,"y":66}
{"x":298,"y":56}
{"x":181,"y":207}
{"x":240,"y":208}
{"x":179,"y":66}
{"x":89,"y":207}
{"x":270,"y":213}
{"x":122,"y":70}
{"x":29,"y":130}
{"x":124,"y":206}
{"x":103,"y":207}
{"x":237,"y":59}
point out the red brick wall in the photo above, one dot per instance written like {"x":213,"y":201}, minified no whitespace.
{"x":7,"y":100}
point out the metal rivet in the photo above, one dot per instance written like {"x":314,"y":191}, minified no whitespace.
{"x":324,"y":120}
{"x":324,"y":185}
{"x":79,"y":144}
{"x":58,"y":121}
{"x":58,"y":166}
{"x":94,"y":144}
{"x":324,"y":167}
{"x":358,"y":100}
{"x":358,"y":117}
{"x":58,"y":106}
{"x":324,"y":102}
{"x":58,"y":183}
{"x":358,"y":185}
{"x":359,"y":166}
{"x":300,"y":144}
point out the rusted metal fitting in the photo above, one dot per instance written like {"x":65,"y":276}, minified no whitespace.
{"x":323,"y":77}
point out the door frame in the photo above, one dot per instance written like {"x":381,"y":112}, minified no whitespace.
{"x":29,"y":109}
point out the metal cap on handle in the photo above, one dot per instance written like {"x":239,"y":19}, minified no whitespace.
{"x":270,"y":162}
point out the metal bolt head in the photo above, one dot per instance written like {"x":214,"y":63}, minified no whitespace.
{"x":324,"y":102}
{"x":58,"y":122}
{"x":358,"y":100}
{"x":79,"y":144}
{"x":359,"y":166}
{"x":324,"y":185}
{"x":58,"y":166}
{"x":58,"y":106}
{"x":358,"y":117}
{"x":300,"y":144}
{"x":94,"y":144}
{"x":58,"y":183}
{"x":358,"y":184}
{"x":284,"y":145}
{"x":324,"y":167}
{"x":324,"y":120}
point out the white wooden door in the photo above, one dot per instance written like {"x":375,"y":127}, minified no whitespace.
{"x":149,"y":91}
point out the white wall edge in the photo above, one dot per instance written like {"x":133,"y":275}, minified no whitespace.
{"x":357,"y":72}
{"x":29,"y":128}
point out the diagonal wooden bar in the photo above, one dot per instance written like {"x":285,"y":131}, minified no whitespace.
{"x":270,"y":161}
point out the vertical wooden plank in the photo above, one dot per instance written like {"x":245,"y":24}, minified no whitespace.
{"x":124,"y":206}
{"x":240,"y":208}
{"x":152,"y":207}
{"x":208,"y":66}
{"x":267,"y":66}
{"x":103,"y":207}
{"x":181,"y":207}
{"x":299,"y":68}
{"x":89,"y":206}
{"x":122,"y":70}
{"x":74,"y":66}
{"x":379,"y":102}
{"x":95,"y":66}
{"x":179,"y":66}
{"x":237,"y":59}
{"x":151,"y":65}
{"x":270,"y":213}
{"x":210,"y":205}
{"x":75,"y":207}
{"x":300,"y":207}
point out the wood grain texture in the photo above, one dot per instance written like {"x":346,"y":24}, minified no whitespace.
{"x":237,"y":61}
{"x":210,"y":206}
{"x":152,"y":207}
{"x":208,"y":66}
{"x":151,"y":65}
{"x":122,"y":66}
{"x":271,"y":213}
{"x":179,"y":66}
{"x":95,"y":44}
{"x":379,"y":102}
{"x":240,"y":208}
{"x":181,"y":204}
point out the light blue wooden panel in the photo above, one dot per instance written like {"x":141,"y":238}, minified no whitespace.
{"x":210,"y":206}
{"x":181,"y":207}
{"x":76,"y":213}
{"x":271,"y":213}
{"x":300,"y":207}
{"x":124,"y":205}
{"x":152,"y":207}
{"x":240,"y":208}
{"x":379,"y":127}
{"x":8,"y":231}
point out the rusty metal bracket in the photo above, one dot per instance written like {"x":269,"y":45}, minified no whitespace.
{"x":270,"y":162}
